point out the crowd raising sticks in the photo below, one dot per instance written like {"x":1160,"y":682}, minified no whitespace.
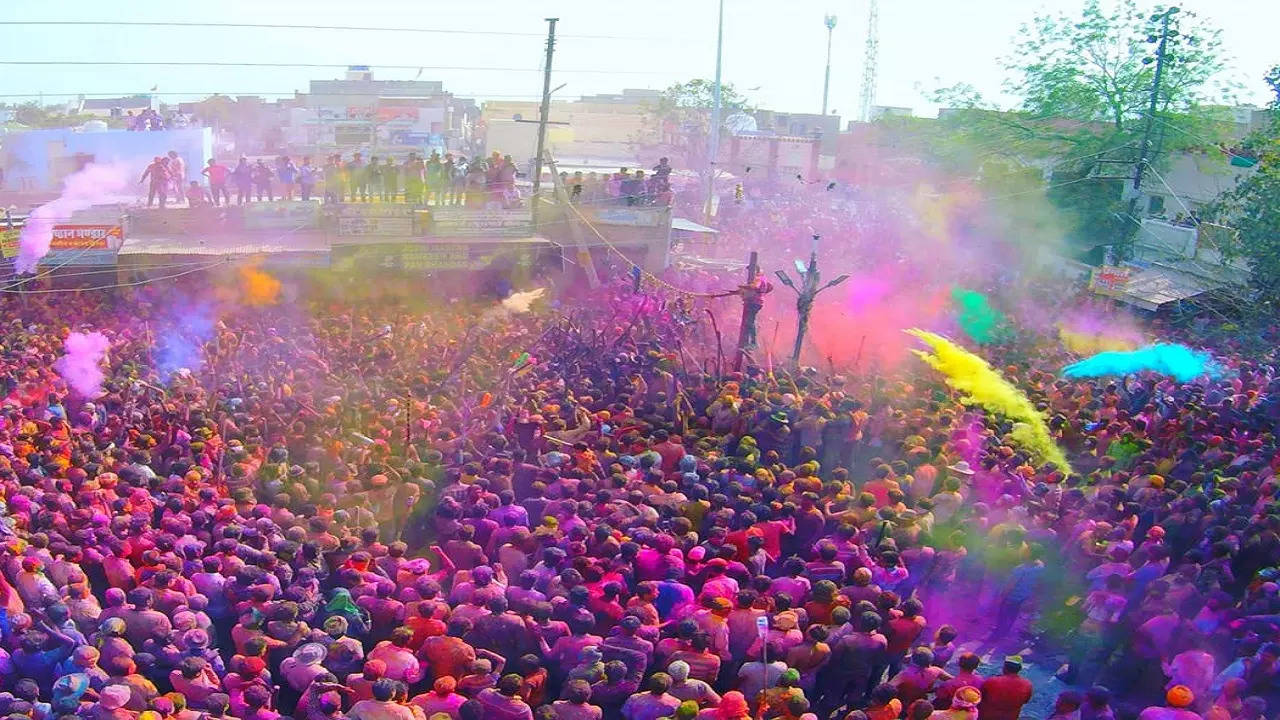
{"x":365,"y":509}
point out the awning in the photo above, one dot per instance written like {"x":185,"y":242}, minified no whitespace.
{"x":687,"y":225}
{"x":1150,"y":288}
{"x":695,"y":262}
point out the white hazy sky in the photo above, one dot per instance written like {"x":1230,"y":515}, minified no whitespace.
{"x":774,"y":49}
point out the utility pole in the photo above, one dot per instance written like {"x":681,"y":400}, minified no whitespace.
{"x":805,"y":295}
{"x":713,"y":142}
{"x":546,"y":107}
{"x":830,"y":22}
{"x":1145,"y":148}
{"x":572,"y":217}
{"x":1155,"y":98}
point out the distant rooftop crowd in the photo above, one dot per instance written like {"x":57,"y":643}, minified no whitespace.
{"x":482,"y":182}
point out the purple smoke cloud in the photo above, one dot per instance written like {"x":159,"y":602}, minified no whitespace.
{"x":81,"y":365}
{"x":93,"y":185}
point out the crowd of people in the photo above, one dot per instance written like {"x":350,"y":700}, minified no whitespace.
{"x":357,"y":507}
{"x":621,"y":188}
{"x":446,"y":181}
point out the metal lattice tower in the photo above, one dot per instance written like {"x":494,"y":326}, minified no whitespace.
{"x":870,"y":61}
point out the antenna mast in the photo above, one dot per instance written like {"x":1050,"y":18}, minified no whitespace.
{"x":870,"y":61}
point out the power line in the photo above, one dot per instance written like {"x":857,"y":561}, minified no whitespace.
{"x":219,"y":63}
{"x":228,"y":94}
{"x":1190,"y":215}
{"x":220,"y":261}
{"x":278,"y":26}
{"x":1201,"y":138}
{"x":113,"y":269}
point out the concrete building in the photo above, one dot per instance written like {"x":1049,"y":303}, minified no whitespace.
{"x":825,"y":127}
{"x":885,"y":111}
{"x":604,"y":130}
{"x":773,"y":157}
{"x":116,"y":107}
{"x":362,"y":113}
{"x":1188,"y":181}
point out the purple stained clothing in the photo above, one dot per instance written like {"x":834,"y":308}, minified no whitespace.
{"x":647,"y":706}
{"x":673,"y":598}
{"x":501,"y":707}
{"x":274,"y":459}
{"x":515,"y":512}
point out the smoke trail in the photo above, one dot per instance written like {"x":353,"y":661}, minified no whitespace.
{"x":1090,"y":331}
{"x":983,"y":386}
{"x":258,"y":288}
{"x":513,"y":304}
{"x":180,"y":342}
{"x":981,"y":322}
{"x":1177,"y":361}
{"x":84,"y":189}
{"x":1089,"y":343}
{"x":520,"y":302}
{"x":80,"y":366}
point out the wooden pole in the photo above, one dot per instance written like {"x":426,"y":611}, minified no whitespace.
{"x":408,"y":423}
{"x":575,"y":229}
{"x":719,"y":346}
{"x":750,"y":308}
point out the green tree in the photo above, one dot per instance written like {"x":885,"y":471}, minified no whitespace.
{"x":1098,"y":66}
{"x":961,"y":96}
{"x":35,"y":115}
{"x":1084,"y":83}
{"x":1252,"y":208}
{"x":700,"y":94}
{"x":682,"y":117}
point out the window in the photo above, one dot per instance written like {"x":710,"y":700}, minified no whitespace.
{"x":1155,"y":205}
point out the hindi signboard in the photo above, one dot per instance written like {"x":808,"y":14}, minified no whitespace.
{"x":9,"y":243}
{"x":458,"y":222}
{"x":1109,"y":279}
{"x":432,"y":256}
{"x":71,"y":244}
{"x":86,"y":237}
{"x":374,"y":225}
{"x":282,"y":215}
{"x":373,"y":209}
{"x":375,"y":219}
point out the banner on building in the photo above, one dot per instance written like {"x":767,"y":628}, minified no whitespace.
{"x":431,"y":256}
{"x":452,"y":222}
{"x":375,"y":225}
{"x":1109,"y":279}
{"x":78,"y":245}
{"x":9,"y":243}
{"x":373,"y":209}
{"x":353,"y":134}
{"x":86,"y":237}
{"x":282,"y":215}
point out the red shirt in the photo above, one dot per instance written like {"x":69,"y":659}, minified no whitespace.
{"x":423,"y":628}
{"x":1003,"y":697}
{"x":738,"y":539}
{"x":670,"y":453}
{"x":446,"y":655}
{"x":902,"y":633}
{"x":772,"y":531}
{"x":217,"y":174}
